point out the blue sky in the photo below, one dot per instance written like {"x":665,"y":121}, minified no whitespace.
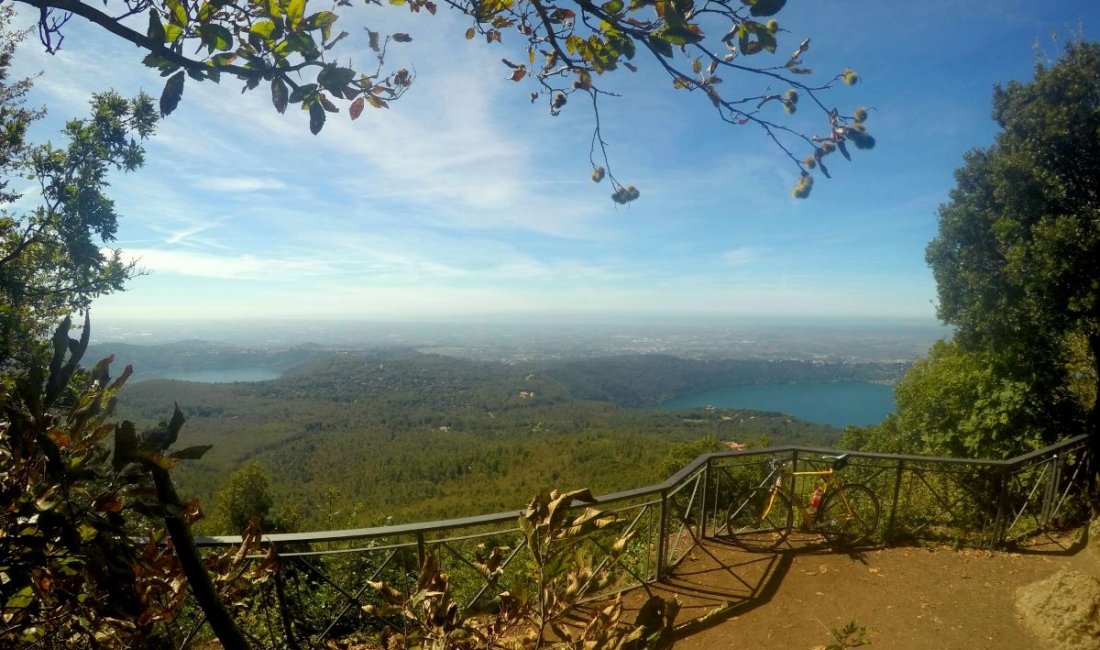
{"x":464,"y":201}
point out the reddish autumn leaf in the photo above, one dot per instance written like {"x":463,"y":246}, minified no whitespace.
{"x":107,"y":503}
{"x":356,"y":108}
{"x":192,"y":511}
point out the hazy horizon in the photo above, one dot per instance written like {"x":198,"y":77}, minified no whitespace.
{"x":464,"y":199}
{"x":515,"y":339}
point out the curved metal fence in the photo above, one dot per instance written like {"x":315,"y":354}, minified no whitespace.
{"x":321,"y":586}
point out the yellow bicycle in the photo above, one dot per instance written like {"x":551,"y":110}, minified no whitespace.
{"x":846,"y":514}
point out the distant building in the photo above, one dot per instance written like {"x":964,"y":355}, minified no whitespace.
{"x":733,"y":445}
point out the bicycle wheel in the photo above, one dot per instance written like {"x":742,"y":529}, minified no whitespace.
{"x":756,"y":522}
{"x":849,"y":515}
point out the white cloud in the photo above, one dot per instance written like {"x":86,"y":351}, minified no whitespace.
{"x":743,"y":255}
{"x":239,"y":184}
{"x":228,"y":267}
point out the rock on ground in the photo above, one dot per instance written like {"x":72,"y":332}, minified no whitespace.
{"x":1063,"y":611}
{"x":1094,"y":538}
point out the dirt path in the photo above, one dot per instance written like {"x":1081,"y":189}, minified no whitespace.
{"x":913,"y":598}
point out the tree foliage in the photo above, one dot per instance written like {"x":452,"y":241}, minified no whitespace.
{"x":970,"y":404}
{"x":682,"y":453}
{"x":53,"y":258}
{"x":95,"y":543}
{"x":71,"y":570}
{"x":1015,"y":255}
{"x":298,"y":53}
{"x":245,"y":495}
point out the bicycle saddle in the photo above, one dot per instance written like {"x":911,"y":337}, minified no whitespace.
{"x":840,"y":462}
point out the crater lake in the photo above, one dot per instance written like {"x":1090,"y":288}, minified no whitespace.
{"x":834,"y":403}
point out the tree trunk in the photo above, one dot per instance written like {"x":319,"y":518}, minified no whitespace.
{"x":221,"y":621}
{"x":1092,"y":425}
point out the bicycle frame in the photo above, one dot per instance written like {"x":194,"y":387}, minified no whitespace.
{"x":808,"y":513}
{"x":845,"y":513}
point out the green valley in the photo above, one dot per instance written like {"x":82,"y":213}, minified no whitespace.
{"x":361,"y":437}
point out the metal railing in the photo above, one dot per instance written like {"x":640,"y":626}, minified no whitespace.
{"x":321,"y":585}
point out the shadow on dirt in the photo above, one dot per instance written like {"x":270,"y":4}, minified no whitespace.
{"x":718,"y":581}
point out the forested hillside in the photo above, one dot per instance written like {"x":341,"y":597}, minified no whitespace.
{"x":393,"y":433}
{"x":153,"y":360}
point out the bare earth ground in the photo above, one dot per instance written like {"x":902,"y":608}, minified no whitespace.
{"x":914,"y":598}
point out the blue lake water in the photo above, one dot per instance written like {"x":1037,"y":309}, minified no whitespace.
{"x":214,"y":376}
{"x":837,"y":403}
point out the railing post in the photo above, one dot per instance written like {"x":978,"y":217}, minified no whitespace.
{"x":421,"y":551}
{"x":894,"y":500}
{"x":794,"y":479}
{"x":1050,"y":495}
{"x":1002,"y":504}
{"x":662,"y":542}
{"x":703,"y":500}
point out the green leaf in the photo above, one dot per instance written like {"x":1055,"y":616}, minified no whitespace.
{"x":264,"y":29}
{"x":48,"y":500}
{"x":620,"y":43}
{"x":126,"y":445}
{"x":21,"y":599}
{"x":677,"y":36}
{"x":174,"y":425}
{"x":86,"y":531}
{"x":156,"y":29}
{"x":295,"y":9}
{"x":613,"y":6}
{"x":273,"y":9}
{"x":191,"y":453}
{"x":154,"y":60}
{"x":223,"y":59}
{"x":744,"y":44}
{"x":177,"y":11}
{"x":279,"y":94}
{"x":173,"y":92}
{"x":767,"y":39}
{"x":763,"y":8}
{"x":335,"y":79}
{"x":674,"y":20}
{"x":300,"y":42}
{"x":172,"y":32}
{"x":316,"y":117}
{"x":302,"y":92}
{"x":661,"y":46}
{"x":322,"y":20}
{"x":216,"y":37}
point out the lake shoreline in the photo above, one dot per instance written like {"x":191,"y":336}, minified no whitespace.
{"x":835,"y":403}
